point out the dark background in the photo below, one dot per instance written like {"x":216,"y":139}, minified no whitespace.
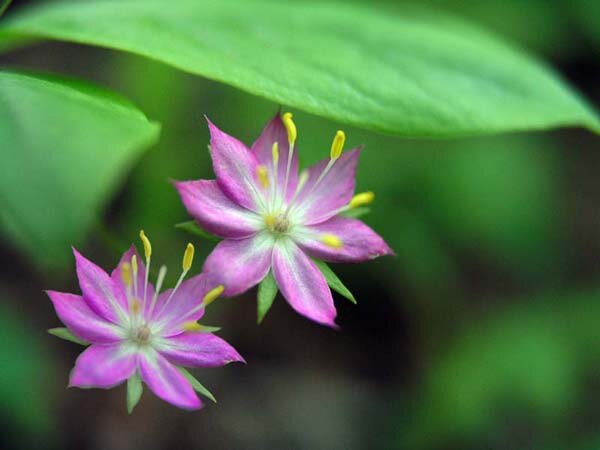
{"x":482,"y":333}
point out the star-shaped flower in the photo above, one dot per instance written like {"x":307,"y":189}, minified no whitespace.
{"x":136,"y":332}
{"x":274,"y":219}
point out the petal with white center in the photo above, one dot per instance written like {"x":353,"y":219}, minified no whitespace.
{"x":195,"y":349}
{"x":104,"y":366}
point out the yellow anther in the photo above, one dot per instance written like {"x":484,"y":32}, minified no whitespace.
{"x":362,"y":199}
{"x":188,"y":257}
{"x":275,"y":152}
{"x":302,"y":179}
{"x":147,"y":245}
{"x":192,"y":326}
{"x":337,"y":146}
{"x":134,"y":266}
{"x":263,"y":176}
{"x":331,"y":240}
{"x":270,"y":221}
{"x":135,"y":306}
{"x":126,"y":273}
{"x":290,"y":126}
{"x":212,"y":295}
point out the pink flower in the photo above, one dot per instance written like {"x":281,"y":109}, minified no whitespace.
{"x":133,"y":330}
{"x":274,"y":219}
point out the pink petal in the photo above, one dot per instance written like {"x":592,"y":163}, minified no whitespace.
{"x":235,"y":167}
{"x":75,"y":313}
{"x":184,"y":306}
{"x":303,"y":284}
{"x":240,"y":264}
{"x":166,"y":381}
{"x":198,"y":350}
{"x":117,"y":277}
{"x":334,"y":191}
{"x":215,"y":212}
{"x":262,"y":148}
{"x":99,"y":290}
{"x":360,"y":243}
{"x":104,"y":366}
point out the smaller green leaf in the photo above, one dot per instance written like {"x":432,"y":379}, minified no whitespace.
{"x":333,"y":281}
{"x":134,"y":391}
{"x":208,"y":329}
{"x":193,"y":228}
{"x":65,"y":334}
{"x":198,"y":387}
{"x":267,"y":291}
{"x":355,"y":213}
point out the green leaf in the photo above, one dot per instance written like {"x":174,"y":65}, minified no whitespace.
{"x":134,"y":391}
{"x":267,"y":291}
{"x":193,"y":228}
{"x":65,"y":334}
{"x":198,"y":387}
{"x":410,"y":72}
{"x":355,"y":213}
{"x":333,"y":281}
{"x":65,"y":147}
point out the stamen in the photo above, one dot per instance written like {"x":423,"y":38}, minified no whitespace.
{"x":270,"y":221}
{"x":148,"y":254}
{"x":126,"y":274}
{"x":263,"y":176}
{"x":212,"y":295}
{"x":275,"y":153}
{"x":331,"y":240}
{"x":337,"y":146}
{"x":134,"y":266}
{"x":162,"y":272}
{"x":290,"y":126}
{"x":135,"y":306}
{"x":188,"y":257}
{"x":364,"y":198}
{"x":192,"y":327}
{"x":301,"y":182}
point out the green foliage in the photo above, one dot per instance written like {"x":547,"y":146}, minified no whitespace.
{"x":414,"y":74}
{"x":193,"y":228}
{"x":198,"y":387}
{"x":267,"y":291}
{"x":333,"y":281}
{"x":4,"y":4}
{"x":65,"y":334}
{"x":65,"y":148}
{"x":134,"y":391}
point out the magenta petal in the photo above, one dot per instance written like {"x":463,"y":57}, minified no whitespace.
{"x":333,"y":192}
{"x":99,"y":290}
{"x":235,"y":167}
{"x":104,"y":366}
{"x":262,"y":148}
{"x":360,"y":243}
{"x":166,"y":381}
{"x":302,"y":284}
{"x":198,"y":350}
{"x":240,"y":264}
{"x":75,"y":313}
{"x":117,"y":276}
{"x":183,"y":307}
{"x":214,"y":211}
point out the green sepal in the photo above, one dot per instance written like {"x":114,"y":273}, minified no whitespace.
{"x":333,"y":281}
{"x":193,"y":228}
{"x":65,"y":334}
{"x":355,"y":213}
{"x":198,"y":387}
{"x":134,"y":391}
{"x":267,"y":291}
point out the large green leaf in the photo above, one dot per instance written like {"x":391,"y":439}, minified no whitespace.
{"x":65,"y":146}
{"x":409,"y":73}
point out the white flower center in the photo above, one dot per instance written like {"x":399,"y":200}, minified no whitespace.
{"x":142,"y":335}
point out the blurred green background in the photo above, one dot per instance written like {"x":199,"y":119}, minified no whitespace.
{"x":482,"y":333}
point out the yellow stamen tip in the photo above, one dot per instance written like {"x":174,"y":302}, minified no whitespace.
{"x":213,"y":294}
{"x":135,"y":306}
{"x":192,"y":326}
{"x":188,"y":257}
{"x":126,"y":273}
{"x":147,"y":245}
{"x":337,"y":146}
{"x":275,"y":152}
{"x":134,"y":265}
{"x":270,"y":221}
{"x":290,"y":126}
{"x":364,"y":198}
{"x":331,"y":240}
{"x":263,"y":176}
